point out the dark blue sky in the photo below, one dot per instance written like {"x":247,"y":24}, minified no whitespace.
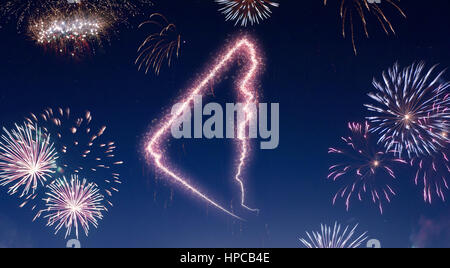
{"x":309,"y":69}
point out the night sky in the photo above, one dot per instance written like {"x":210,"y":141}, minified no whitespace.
{"x":308,"y":68}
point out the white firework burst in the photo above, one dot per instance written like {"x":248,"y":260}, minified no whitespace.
{"x":27,"y":159}
{"x":334,"y":237}
{"x":244,"y":12}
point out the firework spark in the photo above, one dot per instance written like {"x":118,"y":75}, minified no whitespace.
{"x":363,"y":8}
{"x":408,"y":118}
{"x":83,"y":147}
{"x":334,"y":238}
{"x":368,"y":170}
{"x":74,"y":203}
{"x":246,"y":11}
{"x":159,"y":46}
{"x":246,"y":91}
{"x":432,"y":173}
{"x":71,"y":27}
{"x":27,"y":159}
{"x":114,"y":11}
{"x":23,"y":10}
{"x":119,"y":11}
{"x":433,"y":169}
{"x":76,"y":34}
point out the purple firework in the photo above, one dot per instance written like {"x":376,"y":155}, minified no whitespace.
{"x":364,"y":169}
{"x":433,"y":170}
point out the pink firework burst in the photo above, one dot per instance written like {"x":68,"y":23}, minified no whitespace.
{"x":27,"y":159}
{"x":74,"y":203}
{"x":246,"y":92}
{"x":365,"y":169}
{"x":433,"y":170}
{"x":432,"y":173}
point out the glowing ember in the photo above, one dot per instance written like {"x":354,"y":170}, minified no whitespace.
{"x":57,"y":30}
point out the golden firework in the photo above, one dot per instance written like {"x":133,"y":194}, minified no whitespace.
{"x":160,"y":46}
{"x":73,"y":33}
{"x":363,"y":8}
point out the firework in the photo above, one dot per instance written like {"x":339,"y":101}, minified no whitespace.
{"x":27,"y":159}
{"x":115,"y":11}
{"x":362,"y":9}
{"x":246,"y":91}
{"x":74,"y":203}
{"x":408,"y":118}
{"x":365,"y":169}
{"x":83,"y":147}
{"x":23,"y":10}
{"x":433,"y":169}
{"x":246,"y":11}
{"x":432,"y":173}
{"x":74,"y":34}
{"x":334,"y":238}
{"x":71,"y":27}
{"x":119,"y":10}
{"x":162,"y":45}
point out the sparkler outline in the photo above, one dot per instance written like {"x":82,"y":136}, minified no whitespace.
{"x":246,"y":90}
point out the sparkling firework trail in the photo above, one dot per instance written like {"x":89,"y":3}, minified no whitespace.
{"x":159,"y":46}
{"x":246,"y":91}
{"x":365,"y":169}
{"x":362,"y":8}
{"x":246,"y":11}
{"x":74,"y":203}
{"x":27,"y":159}
{"x":334,"y":238}
{"x":83,"y":148}
{"x":408,"y":117}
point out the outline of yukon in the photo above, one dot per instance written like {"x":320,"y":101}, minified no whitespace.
{"x":245,"y":88}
